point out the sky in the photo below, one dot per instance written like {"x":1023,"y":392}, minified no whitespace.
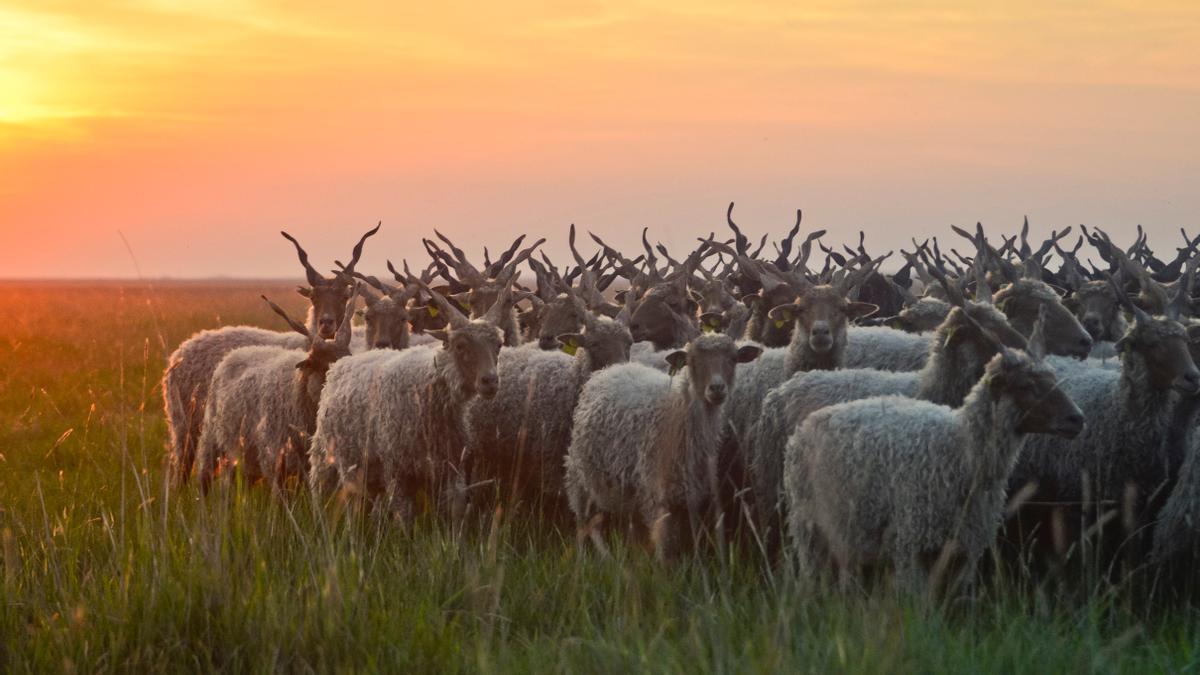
{"x":177,"y":137}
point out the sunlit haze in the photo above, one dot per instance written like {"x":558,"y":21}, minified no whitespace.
{"x":197,"y":130}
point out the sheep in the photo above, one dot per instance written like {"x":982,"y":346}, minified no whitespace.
{"x":913,"y":481}
{"x":390,"y":422}
{"x":1128,"y":412}
{"x":519,"y":438}
{"x":645,"y":444}
{"x":961,"y":347}
{"x":1177,"y":524}
{"x":262,"y":404}
{"x":553,"y":313}
{"x":766,"y":285}
{"x":190,"y":367}
{"x":821,"y":315}
{"x":387,"y":313}
{"x":889,"y":349}
{"x":485,"y":287}
{"x":923,"y":315}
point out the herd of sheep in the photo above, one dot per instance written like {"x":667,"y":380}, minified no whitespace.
{"x":843,"y":416}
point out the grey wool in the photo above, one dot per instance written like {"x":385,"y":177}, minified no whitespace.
{"x":892,"y":478}
{"x":645,"y":444}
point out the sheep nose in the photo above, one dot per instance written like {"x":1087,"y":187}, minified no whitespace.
{"x":717,"y":391}
{"x":547,"y":343}
{"x":1085,"y":344}
{"x":1190,"y":380}
{"x":489,"y":380}
{"x":820,"y":330}
{"x":382,"y":344}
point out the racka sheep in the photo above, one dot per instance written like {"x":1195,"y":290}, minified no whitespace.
{"x":1128,"y":414}
{"x":957,"y":355}
{"x":190,"y":367}
{"x":646,"y":444}
{"x":390,"y":423}
{"x":262,"y":405}
{"x":485,"y":287}
{"x":519,"y":437}
{"x":915,"y":482}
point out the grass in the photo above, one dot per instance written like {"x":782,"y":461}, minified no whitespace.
{"x":105,"y":569}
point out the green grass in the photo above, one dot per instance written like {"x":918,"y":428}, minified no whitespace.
{"x":105,"y":569}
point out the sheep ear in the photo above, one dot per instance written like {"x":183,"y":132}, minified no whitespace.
{"x":620,"y":296}
{"x":784,"y":314}
{"x":751,"y":300}
{"x":677,"y":360}
{"x":692,"y":307}
{"x":439,"y":335}
{"x":306,"y":364}
{"x":748,"y":353}
{"x":860,"y":310}
{"x":894,"y":322}
{"x":305,"y":291}
{"x":571,"y":342}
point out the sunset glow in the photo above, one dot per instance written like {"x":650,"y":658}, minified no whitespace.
{"x":197,"y":130}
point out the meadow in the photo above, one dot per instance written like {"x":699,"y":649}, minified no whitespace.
{"x":105,"y":568}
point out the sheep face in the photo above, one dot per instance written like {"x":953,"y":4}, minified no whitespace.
{"x":711,"y":361}
{"x":607,"y":342}
{"x":774,"y":333}
{"x":475,"y":347}
{"x":661,"y":314}
{"x":1021,"y":303}
{"x":1163,"y":345}
{"x":924,"y":315}
{"x":387,"y":321}
{"x":558,"y":317}
{"x":1098,"y":311}
{"x":713,"y":296}
{"x":1033,"y":388}
{"x":821,"y":315}
{"x":328,"y":304}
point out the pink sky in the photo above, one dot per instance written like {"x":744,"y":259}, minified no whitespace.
{"x":200,"y":129}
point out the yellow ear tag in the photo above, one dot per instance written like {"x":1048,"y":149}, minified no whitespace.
{"x":570,"y":348}
{"x":707,"y":328}
{"x":433,"y":311}
{"x":780,"y":323}
{"x":949,"y":337}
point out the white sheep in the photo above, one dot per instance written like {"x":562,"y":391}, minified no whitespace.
{"x":262,"y":405}
{"x":646,"y":444}
{"x":958,"y":354}
{"x":1128,"y":413}
{"x":390,"y":422}
{"x":519,"y":437}
{"x":190,"y":367}
{"x":916,"y":482}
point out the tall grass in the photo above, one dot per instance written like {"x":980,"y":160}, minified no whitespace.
{"x":106,"y":569}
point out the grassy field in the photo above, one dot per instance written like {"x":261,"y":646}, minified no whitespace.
{"x":105,"y":569}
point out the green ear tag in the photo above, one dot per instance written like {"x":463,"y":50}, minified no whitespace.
{"x":433,"y":311}
{"x":707,"y":328}
{"x":570,"y":349}
{"x":949,"y":337}
{"x":780,"y":323}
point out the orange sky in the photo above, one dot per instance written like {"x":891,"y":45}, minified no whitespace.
{"x":199,"y":129}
